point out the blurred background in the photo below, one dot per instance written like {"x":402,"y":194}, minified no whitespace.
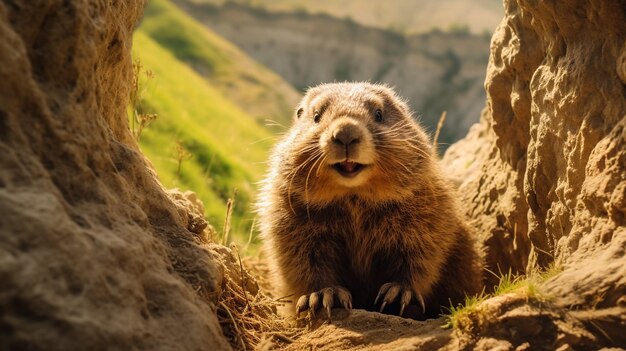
{"x":217,"y":81}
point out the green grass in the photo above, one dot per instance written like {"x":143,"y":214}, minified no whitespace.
{"x":461,"y":315}
{"x":227,"y":147}
{"x":250,"y":85}
{"x":509,"y":282}
{"x":465,"y":316}
{"x":211,"y":102}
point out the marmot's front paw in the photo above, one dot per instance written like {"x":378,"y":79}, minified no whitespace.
{"x":390,"y":292}
{"x":324,"y":298}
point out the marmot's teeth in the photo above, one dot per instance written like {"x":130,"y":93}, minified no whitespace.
{"x":348,"y":167}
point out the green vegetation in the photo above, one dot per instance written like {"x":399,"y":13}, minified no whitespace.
{"x":472,"y":312}
{"x":200,"y":140}
{"x":199,"y":111}
{"x":461,"y":315}
{"x":250,"y":85}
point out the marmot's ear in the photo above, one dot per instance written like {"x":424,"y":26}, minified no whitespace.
{"x":394,"y":102}
{"x":298,"y":113}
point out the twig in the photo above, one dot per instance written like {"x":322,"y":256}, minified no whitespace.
{"x":243,"y":285}
{"x":230,"y":204}
{"x":243,"y":344}
{"x":283,"y":338}
{"x":245,"y":248}
{"x":181,"y":155}
{"x":442,"y":119}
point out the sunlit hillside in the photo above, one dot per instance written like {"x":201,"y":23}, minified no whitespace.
{"x":406,"y":16}
{"x":211,"y":103}
{"x":254,"y":88}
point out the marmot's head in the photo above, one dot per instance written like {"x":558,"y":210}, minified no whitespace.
{"x":353,"y":139}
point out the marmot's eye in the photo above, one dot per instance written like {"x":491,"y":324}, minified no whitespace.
{"x":299,"y":112}
{"x":317,"y":116}
{"x":379,"y":116}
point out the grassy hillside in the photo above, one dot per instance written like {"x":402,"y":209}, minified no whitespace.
{"x":212,"y":102}
{"x":252,"y":86}
{"x":227,"y":149}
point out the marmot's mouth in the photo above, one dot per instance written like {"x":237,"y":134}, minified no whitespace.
{"x":348,"y":169}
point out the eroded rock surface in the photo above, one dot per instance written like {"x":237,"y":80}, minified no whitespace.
{"x":544,"y":174}
{"x":94,"y":254}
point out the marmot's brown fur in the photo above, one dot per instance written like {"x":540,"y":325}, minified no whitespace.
{"x":355,"y":210}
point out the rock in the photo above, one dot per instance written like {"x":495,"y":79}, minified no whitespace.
{"x":489,"y":344}
{"x":547,"y":177}
{"x":94,"y":253}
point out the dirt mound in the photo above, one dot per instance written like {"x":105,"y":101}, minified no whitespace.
{"x":94,"y":254}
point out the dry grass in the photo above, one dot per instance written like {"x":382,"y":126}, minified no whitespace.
{"x":230,"y":204}
{"x":139,"y":118}
{"x":180,"y":154}
{"x":442,"y":120}
{"x":246,"y":310}
{"x":250,"y":321}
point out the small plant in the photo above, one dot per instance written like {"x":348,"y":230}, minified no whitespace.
{"x":508,"y":283}
{"x":181,"y":155}
{"x":470,"y":314}
{"x":139,"y":118}
{"x":550,"y":272}
{"x":461,"y":317}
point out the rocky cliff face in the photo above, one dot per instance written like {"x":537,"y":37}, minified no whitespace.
{"x":94,"y":254}
{"x":544,"y":174}
{"x":436,"y":72}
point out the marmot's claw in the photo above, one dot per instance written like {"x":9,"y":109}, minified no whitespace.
{"x":420,"y":299}
{"x":383,"y":289}
{"x":405,"y":299}
{"x":302,"y":304}
{"x":390,"y":292}
{"x":314,"y":301}
{"x":327,"y":300}
{"x":324,"y":298}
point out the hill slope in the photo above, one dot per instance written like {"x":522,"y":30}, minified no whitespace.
{"x":226,"y":147}
{"x":253,"y":87}
{"x":435,"y":71}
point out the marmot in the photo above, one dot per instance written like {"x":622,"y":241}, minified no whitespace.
{"x":355,"y":212}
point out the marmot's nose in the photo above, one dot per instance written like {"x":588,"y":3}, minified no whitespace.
{"x":347,"y":135}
